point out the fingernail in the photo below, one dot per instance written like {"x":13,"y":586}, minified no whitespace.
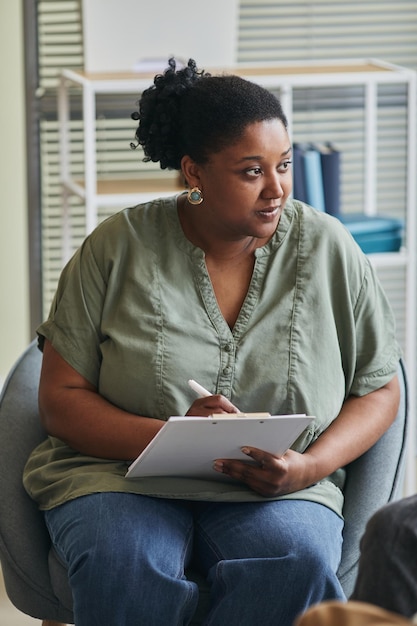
{"x":218,"y":466}
{"x":245,"y":450}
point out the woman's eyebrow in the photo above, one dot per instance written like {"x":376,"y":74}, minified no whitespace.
{"x":259,"y":157}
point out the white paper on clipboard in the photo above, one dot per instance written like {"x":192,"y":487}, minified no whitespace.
{"x":188,"y":446}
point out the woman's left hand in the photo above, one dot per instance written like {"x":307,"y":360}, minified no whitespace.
{"x":270,"y":475}
{"x":360,"y":423}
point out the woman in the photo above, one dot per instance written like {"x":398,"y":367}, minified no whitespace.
{"x":260,"y":298}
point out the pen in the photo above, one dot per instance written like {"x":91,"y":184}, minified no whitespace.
{"x":202,"y":392}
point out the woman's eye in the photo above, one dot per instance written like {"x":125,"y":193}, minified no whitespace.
{"x":285,"y":166}
{"x":254,"y":171}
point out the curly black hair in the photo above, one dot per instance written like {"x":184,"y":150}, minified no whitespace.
{"x":190,"y":112}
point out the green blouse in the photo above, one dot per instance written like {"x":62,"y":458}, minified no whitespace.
{"x":136,"y":315}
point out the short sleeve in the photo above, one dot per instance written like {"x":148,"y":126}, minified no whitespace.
{"x":73,"y":325}
{"x":377,"y":351}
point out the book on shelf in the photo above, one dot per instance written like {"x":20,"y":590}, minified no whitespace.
{"x":374,"y":233}
{"x":330,"y":165}
{"x":299,"y":188}
{"x":316,"y":176}
{"x":313,"y":176}
{"x":316,"y":181}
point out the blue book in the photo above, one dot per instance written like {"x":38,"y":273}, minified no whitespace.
{"x":330,"y":166}
{"x":314,"y":178}
{"x":298,"y":177}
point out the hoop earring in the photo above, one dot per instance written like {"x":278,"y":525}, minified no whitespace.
{"x":195,"y":196}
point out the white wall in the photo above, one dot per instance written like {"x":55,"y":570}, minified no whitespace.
{"x":211,"y":40}
{"x":14,"y":291}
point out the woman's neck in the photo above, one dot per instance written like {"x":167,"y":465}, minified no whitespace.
{"x":219,"y":248}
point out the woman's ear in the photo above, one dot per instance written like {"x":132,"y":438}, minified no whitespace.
{"x":191,"y":172}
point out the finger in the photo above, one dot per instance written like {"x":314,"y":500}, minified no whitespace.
{"x":249,"y":473}
{"x":212,"y":405}
{"x":255,"y":477}
{"x":244,"y":469}
{"x":225,"y":404}
{"x":261,"y":457}
{"x":240,"y":470}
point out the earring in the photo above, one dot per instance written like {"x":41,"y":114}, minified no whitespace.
{"x":195,"y":196}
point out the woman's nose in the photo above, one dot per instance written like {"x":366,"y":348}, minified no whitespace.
{"x":273,"y":187}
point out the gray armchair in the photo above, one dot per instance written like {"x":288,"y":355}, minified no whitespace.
{"x":35,"y":580}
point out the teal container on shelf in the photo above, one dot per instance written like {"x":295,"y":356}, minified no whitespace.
{"x":374,"y":233}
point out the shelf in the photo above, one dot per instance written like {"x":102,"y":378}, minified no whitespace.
{"x":389,"y":259}
{"x":296,"y":74}
{"x":125,"y":191}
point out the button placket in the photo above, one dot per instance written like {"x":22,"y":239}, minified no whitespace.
{"x":227,"y":369}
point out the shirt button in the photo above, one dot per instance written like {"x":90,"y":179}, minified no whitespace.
{"x":228,"y":347}
{"x":227,"y":370}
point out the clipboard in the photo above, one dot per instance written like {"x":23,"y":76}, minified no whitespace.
{"x":188,"y":446}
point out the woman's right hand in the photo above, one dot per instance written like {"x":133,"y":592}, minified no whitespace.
{"x":211,"y":405}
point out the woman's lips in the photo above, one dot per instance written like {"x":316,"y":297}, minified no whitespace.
{"x":269,"y":212}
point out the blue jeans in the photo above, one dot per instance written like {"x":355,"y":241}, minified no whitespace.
{"x":126,"y":554}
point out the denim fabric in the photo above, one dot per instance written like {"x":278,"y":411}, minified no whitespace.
{"x":126,"y":556}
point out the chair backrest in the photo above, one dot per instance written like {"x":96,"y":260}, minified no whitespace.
{"x":372,"y":480}
{"x":24,"y":539}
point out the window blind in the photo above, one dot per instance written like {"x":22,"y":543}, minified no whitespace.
{"x":326,"y":29}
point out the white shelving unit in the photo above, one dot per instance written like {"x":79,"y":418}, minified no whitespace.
{"x":369,"y":74}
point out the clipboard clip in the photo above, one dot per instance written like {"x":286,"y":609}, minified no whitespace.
{"x":239,"y":415}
